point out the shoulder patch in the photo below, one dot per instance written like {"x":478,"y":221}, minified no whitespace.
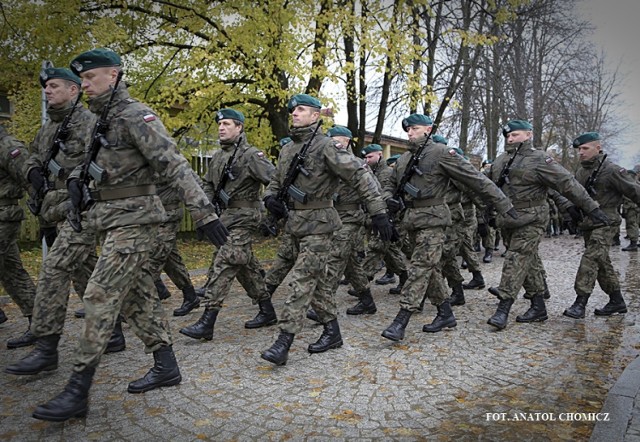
{"x":548,"y":160}
{"x":623,"y":170}
{"x":452,"y":152}
{"x":15,"y":153}
{"x":149,"y":118}
{"x":260,"y":154}
{"x":338,"y":145}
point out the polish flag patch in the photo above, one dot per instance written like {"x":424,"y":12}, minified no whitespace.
{"x":149,"y":118}
{"x":260,"y":154}
{"x":15,"y":153}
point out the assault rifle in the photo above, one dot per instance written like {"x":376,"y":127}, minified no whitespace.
{"x":220,"y":197}
{"x":590,"y":185}
{"x":504,"y":173}
{"x":90,"y":170}
{"x":50,"y":165}
{"x":404,"y":186}
{"x":288,"y":189}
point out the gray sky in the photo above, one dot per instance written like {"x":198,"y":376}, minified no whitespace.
{"x":618,"y":33}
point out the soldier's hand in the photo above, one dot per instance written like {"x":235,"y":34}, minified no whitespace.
{"x":381,"y":226}
{"x":36,"y":179}
{"x":513,"y":213}
{"x":275,"y":206}
{"x":74,"y":186}
{"x":216,"y":232}
{"x":599,"y":217}
{"x":483,"y":230}
{"x":393,"y":205}
{"x":574,"y":213}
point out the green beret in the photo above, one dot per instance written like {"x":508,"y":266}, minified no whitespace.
{"x":586,"y":137}
{"x":285,"y":140}
{"x":516,"y":125}
{"x":416,"y":120}
{"x":96,"y":58}
{"x":229,"y":114}
{"x":62,"y":73}
{"x":339,"y":131}
{"x":393,"y":159}
{"x":632,"y":172}
{"x":485,"y":162}
{"x":303,"y":100}
{"x":371,"y":148}
{"x":459,"y":151}
{"x":440,"y":139}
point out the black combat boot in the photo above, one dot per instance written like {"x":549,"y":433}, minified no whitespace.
{"x":398,"y":289}
{"x":189,"y":301}
{"x":311,"y":314}
{"x":444,"y":319}
{"x":536,"y":313}
{"x":499,"y":318}
{"x":3,"y":316}
{"x":330,"y":338}
{"x":353,"y":292}
{"x":387,"y":278}
{"x":200,"y":292}
{"x":203,"y":328}
{"x":395,"y":331}
{"x":632,"y":247}
{"x":616,"y":304}
{"x":24,"y":340}
{"x":163,"y":291}
{"x":464,"y":264}
{"x":279,"y":351}
{"x":476,"y":283}
{"x":344,"y":281}
{"x":615,"y":241}
{"x":72,"y":402}
{"x":79,"y":313}
{"x":457,"y":295}
{"x":546,"y":294}
{"x":164,"y":373}
{"x":266,"y":315}
{"x":43,"y":358}
{"x":116,"y":341}
{"x":365,"y":305}
{"x":576,"y":311}
{"x":488,"y":256}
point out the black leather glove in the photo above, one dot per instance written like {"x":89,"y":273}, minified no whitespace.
{"x":49,"y":234}
{"x":74,"y":186}
{"x":575,"y":214}
{"x":36,"y":179}
{"x":599,"y":217}
{"x":275,"y":206}
{"x":393,"y":205}
{"x":381,"y":226}
{"x":483,"y":230}
{"x":513,"y":213}
{"x":216,"y":232}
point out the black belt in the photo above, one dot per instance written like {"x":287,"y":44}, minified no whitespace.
{"x":244,"y":205}
{"x":416,"y":204}
{"x":9,"y":202}
{"x":311,"y":205}
{"x":123,"y":192}
{"x":527,"y":204}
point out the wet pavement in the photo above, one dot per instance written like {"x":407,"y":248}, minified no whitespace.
{"x":542,"y":381}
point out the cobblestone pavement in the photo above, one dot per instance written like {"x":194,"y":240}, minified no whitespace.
{"x":471,"y":382}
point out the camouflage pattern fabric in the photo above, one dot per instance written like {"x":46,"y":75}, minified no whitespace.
{"x":284,"y":261}
{"x":452,"y":245}
{"x":468,"y":238}
{"x":595,"y":264}
{"x":631,"y":216}
{"x":176,"y":270}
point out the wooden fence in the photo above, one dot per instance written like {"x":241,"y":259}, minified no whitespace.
{"x":30,"y":226}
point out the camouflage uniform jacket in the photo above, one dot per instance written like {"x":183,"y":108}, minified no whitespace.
{"x":439,"y":164}
{"x":327,"y":162}
{"x":13,"y":157}
{"x":139,"y":145}
{"x":612,"y":183}
{"x":55,"y":204}
{"x":531,"y":174}
{"x":251,"y":169}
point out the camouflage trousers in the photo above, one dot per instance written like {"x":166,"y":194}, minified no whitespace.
{"x":595,"y":264}
{"x":311,"y":255}
{"x":390,"y":252}
{"x":14,"y":278}
{"x":284,"y":261}
{"x":452,"y":244}
{"x":468,"y":236}
{"x":176,"y":270}
{"x":71,"y":257}
{"x":235,"y":259}
{"x":165,"y":243}
{"x":343,"y":259}
{"x":631,"y":217}
{"x":122,"y":282}
{"x":424,"y":271}
{"x":522,"y":263}
{"x":489,"y":241}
